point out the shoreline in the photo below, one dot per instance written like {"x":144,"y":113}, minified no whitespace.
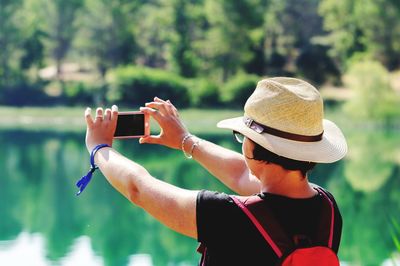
{"x":68,"y":119}
{"x":198,"y":121}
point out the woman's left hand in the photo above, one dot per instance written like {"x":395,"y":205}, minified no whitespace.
{"x":101,"y":129}
{"x":172,"y":128}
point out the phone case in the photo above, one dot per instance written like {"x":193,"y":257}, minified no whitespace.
{"x":146,"y":125}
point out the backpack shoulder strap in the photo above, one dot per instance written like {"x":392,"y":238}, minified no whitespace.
{"x":263,"y":219}
{"x":265,"y":222}
{"x":325,"y":234}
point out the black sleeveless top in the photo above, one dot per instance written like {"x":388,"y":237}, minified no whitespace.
{"x":231,"y":239}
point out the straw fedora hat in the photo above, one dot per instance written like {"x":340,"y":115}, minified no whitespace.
{"x":286,"y":117}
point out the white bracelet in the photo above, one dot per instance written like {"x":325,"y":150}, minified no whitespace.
{"x":186,"y":137}
{"x":195,"y":144}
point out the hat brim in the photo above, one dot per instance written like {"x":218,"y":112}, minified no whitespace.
{"x":331,"y":148}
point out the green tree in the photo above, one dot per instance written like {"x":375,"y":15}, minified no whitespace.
{"x":21,"y":42}
{"x":59,"y":23}
{"x":229,"y":40}
{"x":136,"y":85}
{"x":370,"y":26}
{"x":153,"y":28}
{"x":10,"y":40}
{"x":374,"y":97}
{"x":33,"y":49}
{"x":290,"y":29}
{"x":107,"y":35}
{"x":187,"y":18}
{"x":34,"y":36}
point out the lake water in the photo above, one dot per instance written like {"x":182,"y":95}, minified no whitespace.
{"x":42,"y":222}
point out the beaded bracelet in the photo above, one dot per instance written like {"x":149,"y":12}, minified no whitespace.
{"x":84,"y":180}
{"x":194,"y":145}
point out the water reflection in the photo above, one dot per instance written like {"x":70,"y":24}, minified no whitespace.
{"x":372,"y":160}
{"x":370,"y":195}
{"x":33,"y":247}
{"x":38,"y":203}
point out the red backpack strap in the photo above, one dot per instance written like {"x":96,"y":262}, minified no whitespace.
{"x":325,"y":234}
{"x":202,"y":249}
{"x":265,"y":222}
{"x":263,"y":219}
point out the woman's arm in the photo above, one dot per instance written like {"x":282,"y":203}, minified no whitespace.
{"x":226,"y":165}
{"x":172,"y":206}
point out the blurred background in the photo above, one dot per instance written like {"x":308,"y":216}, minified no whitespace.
{"x":57,"y":57}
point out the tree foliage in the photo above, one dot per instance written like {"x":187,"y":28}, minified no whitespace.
{"x":110,"y":24}
{"x":197,"y":39}
{"x":59,"y":19}
{"x":135,"y":86}
{"x":9,"y":39}
{"x":233,"y":26}
{"x":374,"y":98}
{"x":238,"y":89}
{"x":371,"y":27}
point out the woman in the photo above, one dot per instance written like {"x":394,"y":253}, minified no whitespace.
{"x":283,"y":134}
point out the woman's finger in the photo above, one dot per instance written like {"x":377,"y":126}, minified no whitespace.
{"x":150,"y":140}
{"x":107,"y":116}
{"x":166,"y":105}
{"x":88,"y":117}
{"x":152,"y":112}
{"x":114,"y":113}
{"x":156,"y":99}
{"x":173,"y":109}
{"x":99,"y":114}
{"x":157,"y":105}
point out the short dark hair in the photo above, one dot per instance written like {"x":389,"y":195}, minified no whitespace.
{"x":262,"y":154}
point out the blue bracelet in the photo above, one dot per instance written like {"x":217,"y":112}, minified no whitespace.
{"x":84,"y":180}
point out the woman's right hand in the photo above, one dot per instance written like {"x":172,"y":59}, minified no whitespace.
{"x":172,"y":129}
{"x":101,"y":129}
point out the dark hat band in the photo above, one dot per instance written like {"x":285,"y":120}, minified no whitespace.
{"x":259,"y":128}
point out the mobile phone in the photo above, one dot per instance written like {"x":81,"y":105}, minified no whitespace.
{"x":133,"y":124}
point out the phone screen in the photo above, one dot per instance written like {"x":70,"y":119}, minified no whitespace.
{"x":130,"y":125}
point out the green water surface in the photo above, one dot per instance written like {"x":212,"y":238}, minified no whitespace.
{"x":38,"y":171}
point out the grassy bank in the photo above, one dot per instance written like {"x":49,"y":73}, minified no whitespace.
{"x":41,"y":118}
{"x":71,"y":119}
{"x":199,"y":121}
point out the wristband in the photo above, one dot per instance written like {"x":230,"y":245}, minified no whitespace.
{"x":84,"y":180}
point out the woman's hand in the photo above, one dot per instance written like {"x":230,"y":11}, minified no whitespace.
{"x":101,"y":129}
{"x":167,"y":116}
